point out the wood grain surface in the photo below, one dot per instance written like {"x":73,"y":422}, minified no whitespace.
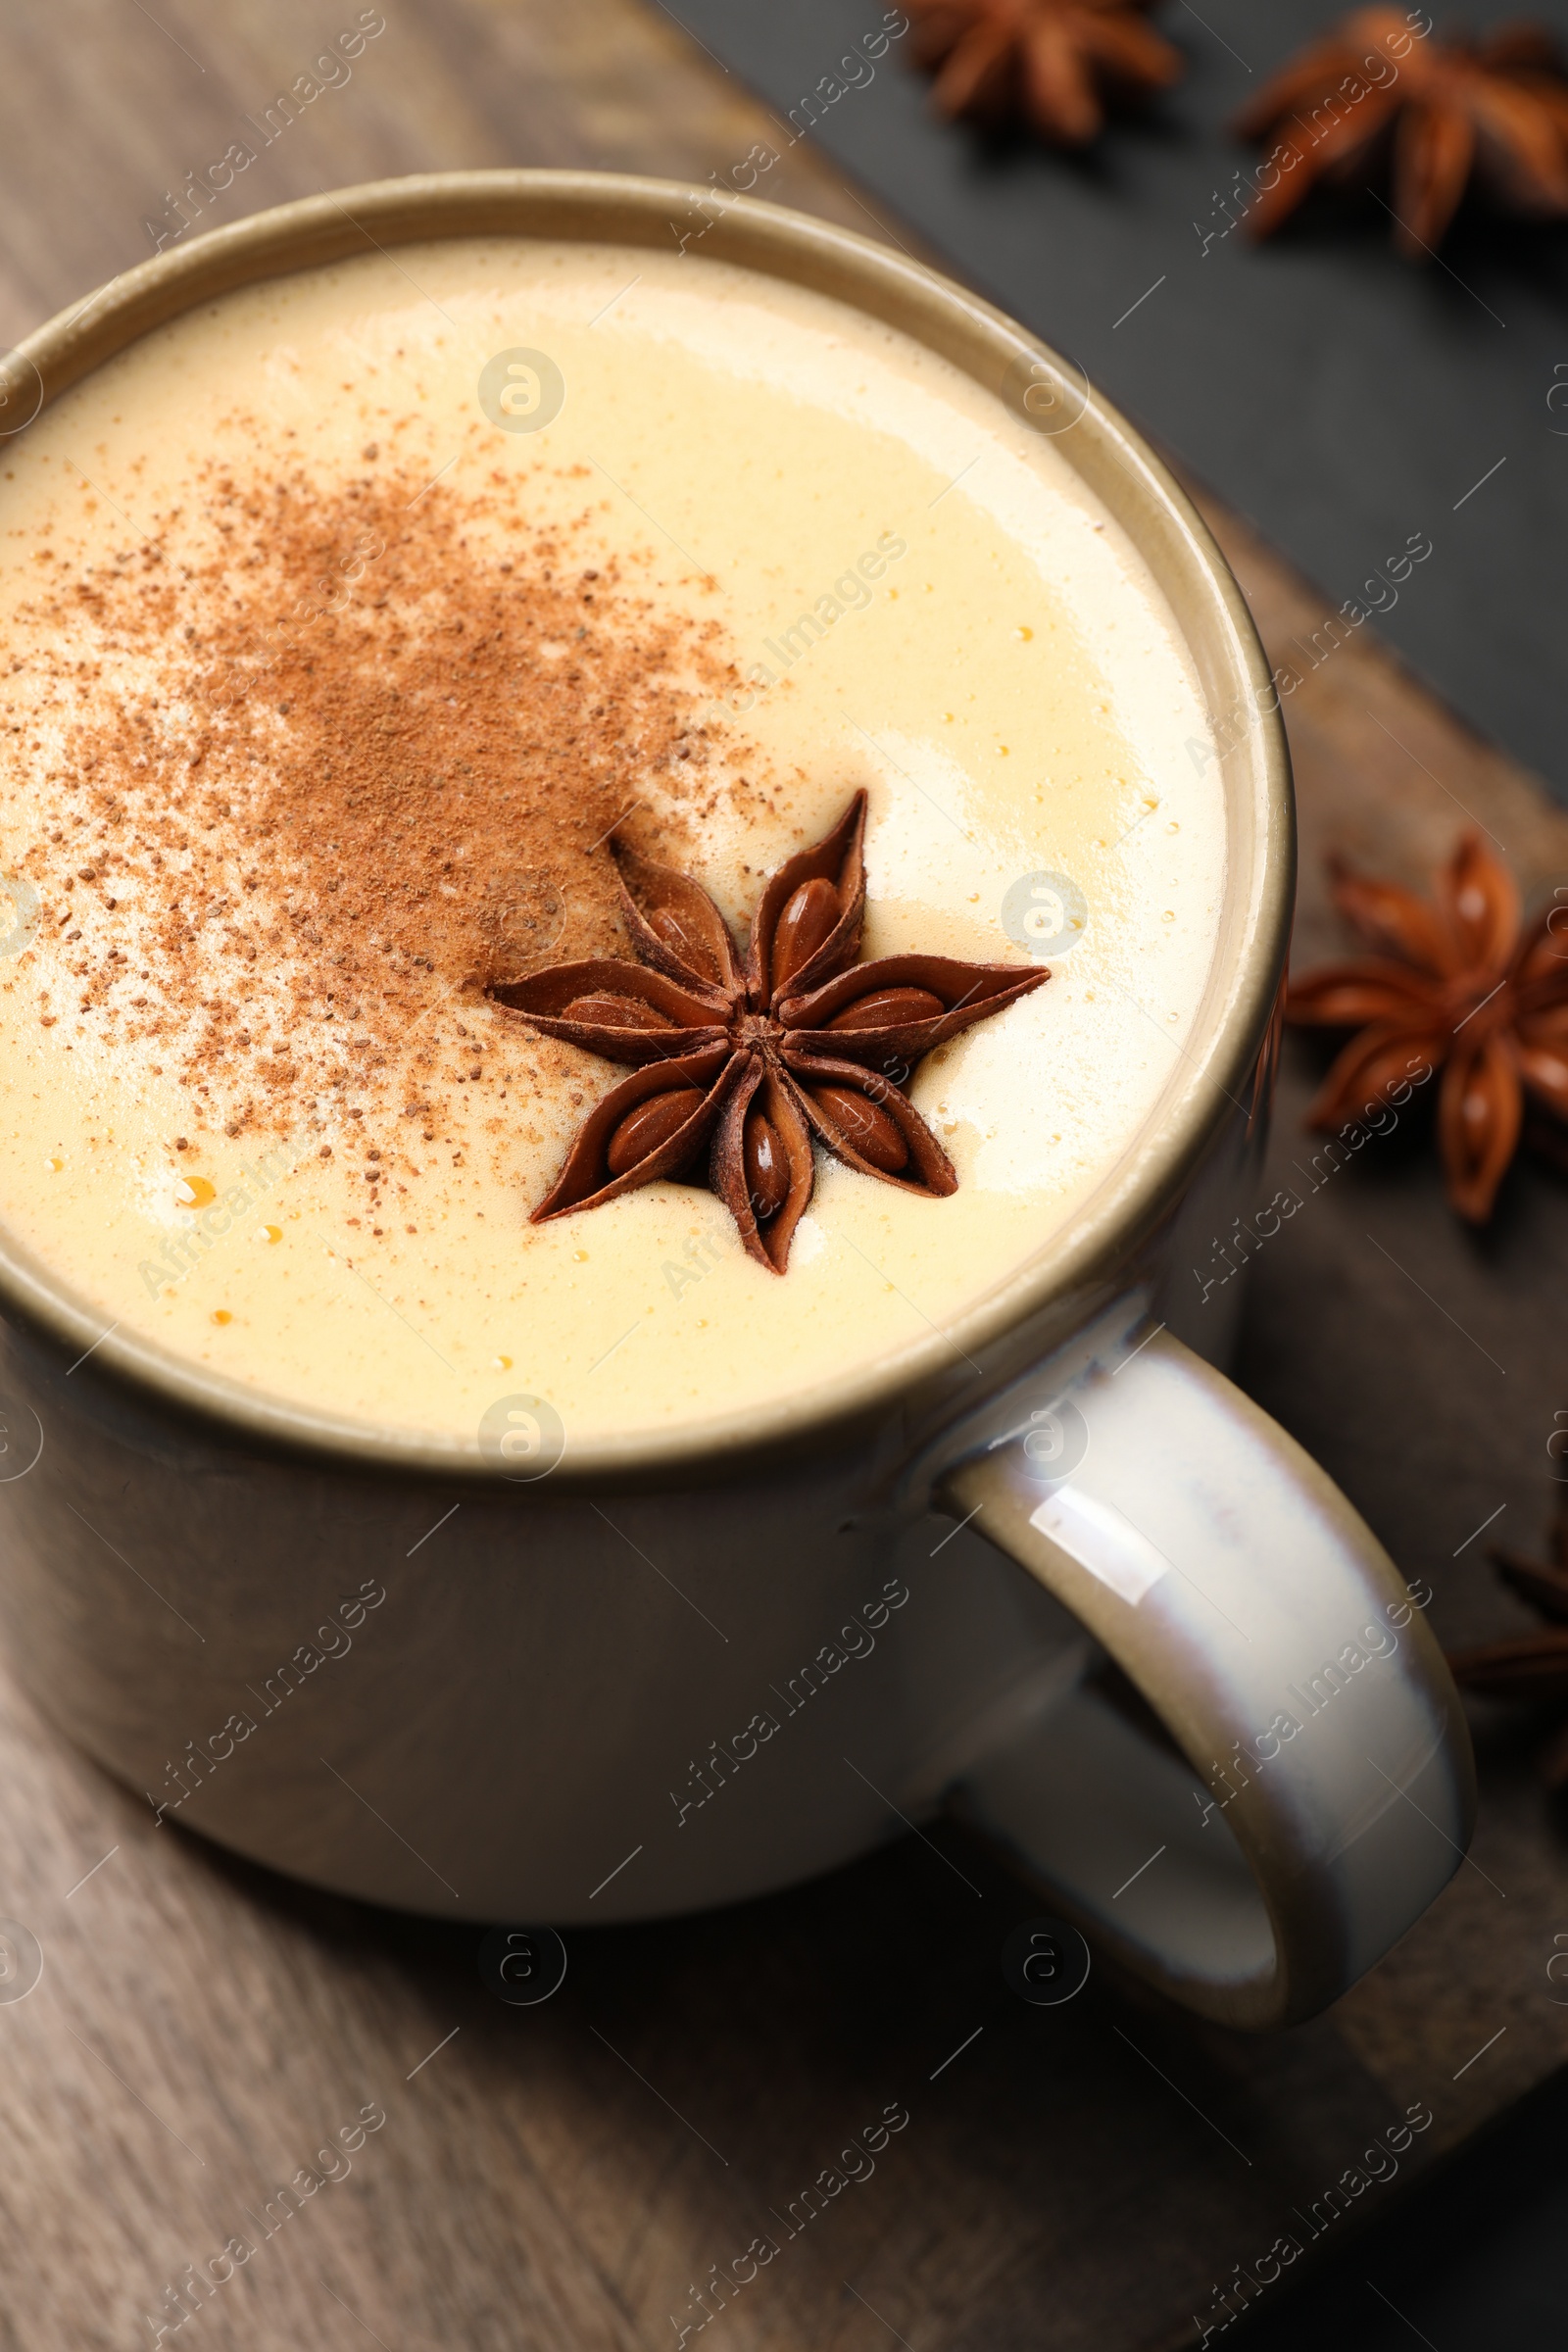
{"x":571,"y":2175}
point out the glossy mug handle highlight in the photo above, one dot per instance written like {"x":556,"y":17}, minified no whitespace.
{"x":1314,"y":1790}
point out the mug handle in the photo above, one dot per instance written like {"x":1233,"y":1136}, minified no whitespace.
{"x":1271,"y":1778}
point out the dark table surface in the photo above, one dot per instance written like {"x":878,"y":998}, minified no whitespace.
{"x":1342,"y":398}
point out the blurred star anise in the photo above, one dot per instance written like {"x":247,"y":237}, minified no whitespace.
{"x":1443,"y":112}
{"x":1459,"y":988}
{"x":1054,"y":62}
{"x":746,"y":1065}
{"x":1529,"y":1666}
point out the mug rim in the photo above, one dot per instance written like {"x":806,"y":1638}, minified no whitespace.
{"x":1118,"y":468}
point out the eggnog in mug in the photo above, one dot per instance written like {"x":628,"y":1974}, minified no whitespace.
{"x":354,"y":618}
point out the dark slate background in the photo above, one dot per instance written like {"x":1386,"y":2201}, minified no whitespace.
{"x":1340,"y":397}
{"x":1344,"y":400}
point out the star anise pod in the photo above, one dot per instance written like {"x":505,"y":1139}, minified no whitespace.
{"x":1459,"y":987}
{"x":1530,"y":1666}
{"x":1442,"y":113}
{"x":1054,"y":62}
{"x":746,"y":1063}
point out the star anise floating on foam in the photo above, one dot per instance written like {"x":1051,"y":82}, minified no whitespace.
{"x":1530,"y":1666}
{"x":745,"y":1065}
{"x":1443,"y":114}
{"x":1054,"y":62}
{"x":1459,"y":986}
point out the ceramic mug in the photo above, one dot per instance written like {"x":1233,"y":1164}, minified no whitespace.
{"x":1159,"y":1655}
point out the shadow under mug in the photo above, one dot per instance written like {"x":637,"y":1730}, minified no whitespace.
{"x":1161,"y":1657}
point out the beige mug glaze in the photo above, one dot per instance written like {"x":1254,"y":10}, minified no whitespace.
{"x":545,"y":1702}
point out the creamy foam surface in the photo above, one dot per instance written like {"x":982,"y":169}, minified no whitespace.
{"x":257,"y":1109}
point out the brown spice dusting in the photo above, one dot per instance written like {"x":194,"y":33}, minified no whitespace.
{"x":360,"y":771}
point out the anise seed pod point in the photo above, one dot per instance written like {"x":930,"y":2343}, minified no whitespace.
{"x":649,"y":1126}
{"x":806,"y":924}
{"x":872,"y":1133}
{"x":883,"y":1007}
{"x":606,"y":1010}
{"x":767,"y":1177}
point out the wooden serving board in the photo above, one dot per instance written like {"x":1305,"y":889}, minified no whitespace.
{"x":577,"y":2174}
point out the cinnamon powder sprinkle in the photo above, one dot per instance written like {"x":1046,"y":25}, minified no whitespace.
{"x":315,"y":788}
